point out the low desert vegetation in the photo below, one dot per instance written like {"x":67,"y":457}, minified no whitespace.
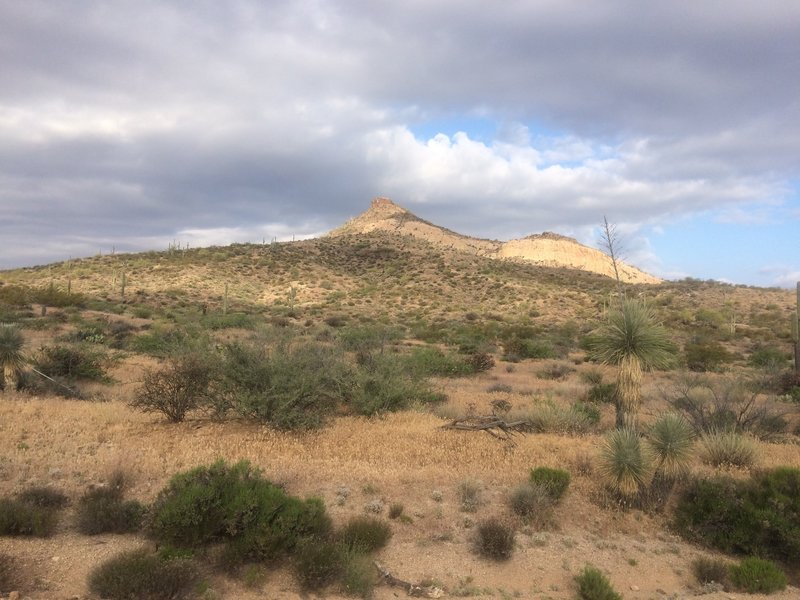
{"x":313,"y":351}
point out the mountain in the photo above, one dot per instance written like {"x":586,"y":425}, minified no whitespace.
{"x":544,"y":249}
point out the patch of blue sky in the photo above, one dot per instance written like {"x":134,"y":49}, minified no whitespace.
{"x":713,"y":246}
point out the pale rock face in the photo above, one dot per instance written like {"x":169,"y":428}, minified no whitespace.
{"x":547,"y":249}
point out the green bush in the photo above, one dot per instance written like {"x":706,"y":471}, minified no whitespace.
{"x":469,"y":495}
{"x":103,"y":510}
{"x":236,"y":505}
{"x":161,"y":342}
{"x":593,"y":585}
{"x":555,"y":371}
{"x":756,"y":575}
{"x":549,"y":417}
{"x":137,"y":575}
{"x":528,"y":348}
{"x":760,"y":516}
{"x":295,"y":385}
{"x":769,"y":357}
{"x":602,"y":393}
{"x":365,"y":534}
{"x":494,"y":539}
{"x":710,"y":570}
{"x":72,"y":363}
{"x":318,"y":563}
{"x":706,"y":355}
{"x":432,"y":362}
{"x":44,"y":496}
{"x":20,"y":518}
{"x":554,"y":481}
{"x":387,"y":385}
{"x":182,"y":385}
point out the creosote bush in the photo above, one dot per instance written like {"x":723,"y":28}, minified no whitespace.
{"x":44,"y":496}
{"x":139,"y":575}
{"x":469,"y":495}
{"x":594,"y":585}
{"x":24,"y":518}
{"x":72,"y":363}
{"x":756,"y":517}
{"x":103,"y":510}
{"x":756,"y":575}
{"x":235,"y":505}
{"x":494,"y":539}
{"x":318,"y":563}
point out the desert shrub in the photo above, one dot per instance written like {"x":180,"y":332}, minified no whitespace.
{"x":359,"y":577}
{"x":703,"y":354}
{"x":727,"y":405}
{"x":593,"y":585}
{"x":217,"y":321}
{"x":161,"y":342}
{"x":768,"y":357}
{"x":103,"y":510}
{"x":72,"y":363}
{"x":44,"y":496}
{"x":368,"y":339}
{"x":757,"y":575}
{"x":479,"y":362}
{"x":139,"y":575}
{"x":53,"y":296}
{"x":432,"y":362}
{"x":396,"y":510}
{"x":528,"y":348}
{"x":318,"y":563}
{"x":533,"y":503}
{"x":549,"y":417}
{"x":503,"y":388}
{"x":760,"y":516}
{"x":494,"y":539}
{"x":295,"y":385}
{"x":365,"y":534}
{"x":555,"y":371}
{"x":236,"y":505}
{"x":624,"y":463}
{"x":469,"y":495}
{"x":554,"y":481}
{"x":182,"y":385}
{"x":19,"y":518}
{"x":387,"y":385}
{"x":728,"y":448}
{"x":602,"y":393}
{"x":710,"y":570}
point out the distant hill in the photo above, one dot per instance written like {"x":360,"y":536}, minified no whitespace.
{"x":545,"y":249}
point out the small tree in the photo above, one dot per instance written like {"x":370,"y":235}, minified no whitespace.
{"x":11,"y":357}
{"x":633,"y":341}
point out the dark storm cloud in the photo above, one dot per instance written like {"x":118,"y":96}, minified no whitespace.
{"x":141,"y":120}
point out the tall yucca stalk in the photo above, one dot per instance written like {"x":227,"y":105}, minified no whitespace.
{"x":633,"y":340}
{"x":11,"y":357}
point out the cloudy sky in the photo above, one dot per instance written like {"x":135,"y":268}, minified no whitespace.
{"x":135,"y":124}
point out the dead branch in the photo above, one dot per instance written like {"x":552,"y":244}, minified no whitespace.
{"x":491,"y":424}
{"x":416,"y":590}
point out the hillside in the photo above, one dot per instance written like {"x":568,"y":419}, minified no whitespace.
{"x":375,"y":304}
{"x":546,"y":249}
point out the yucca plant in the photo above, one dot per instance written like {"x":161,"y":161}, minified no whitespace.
{"x":634,"y":342}
{"x":11,"y":357}
{"x":728,"y":448}
{"x":671,"y":439}
{"x":625,"y":463}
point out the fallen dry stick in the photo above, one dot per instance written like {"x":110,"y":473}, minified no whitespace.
{"x":489,"y":423}
{"x":418,"y":591}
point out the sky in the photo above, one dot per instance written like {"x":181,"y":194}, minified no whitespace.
{"x":133,"y":125}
